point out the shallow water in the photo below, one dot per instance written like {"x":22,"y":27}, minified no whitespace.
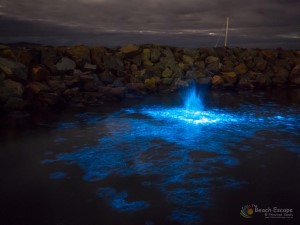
{"x":154,"y":161}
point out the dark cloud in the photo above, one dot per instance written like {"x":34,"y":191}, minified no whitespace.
{"x":263,"y":21}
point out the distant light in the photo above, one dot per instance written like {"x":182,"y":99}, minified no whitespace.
{"x":211,"y":33}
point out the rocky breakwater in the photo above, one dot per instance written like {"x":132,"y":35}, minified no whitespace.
{"x":34,"y":76}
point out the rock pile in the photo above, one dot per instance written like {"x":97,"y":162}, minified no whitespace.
{"x":45,"y":76}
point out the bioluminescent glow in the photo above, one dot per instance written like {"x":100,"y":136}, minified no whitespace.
{"x":118,"y":200}
{"x":185,"y":148}
{"x":192,"y":100}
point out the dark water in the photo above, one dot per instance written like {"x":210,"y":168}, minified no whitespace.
{"x":153,"y":161}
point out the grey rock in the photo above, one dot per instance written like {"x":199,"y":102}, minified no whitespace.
{"x":113,"y":63}
{"x":13,"y":70}
{"x":107,"y":77}
{"x":65,"y":65}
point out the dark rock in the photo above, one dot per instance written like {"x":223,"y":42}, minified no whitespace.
{"x":230,"y":77}
{"x":80,"y":54}
{"x":10,"y":88}
{"x":241,"y":69}
{"x":211,"y":59}
{"x":227,"y":66}
{"x":200,"y":66}
{"x":167,"y":73}
{"x":15,"y":103}
{"x":212,"y":64}
{"x":155,"y":55}
{"x":118,"y":92}
{"x":90,"y":86}
{"x":146,"y":58}
{"x":97,"y":55}
{"x":107,"y":77}
{"x":181,"y":84}
{"x":270,"y":54}
{"x":87,"y":78}
{"x":167,"y":81}
{"x":137,"y":60}
{"x":6,"y":52}
{"x":130,"y":48}
{"x":39,"y":73}
{"x":152,"y":83}
{"x":188,"y":60}
{"x":49,"y":58}
{"x":113,"y":63}
{"x":37,"y":87}
{"x":51,"y":99}
{"x":72,"y":81}
{"x":136,"y":87}
{"x":57,"y":85}
{"x":217,"y":80}
{"x":13,"y":70}
{"x":245,"y":82}
{"x":204,"y":80}
{"x":295,"y":75}
{"x":261,"y":64}
{"x":89,"y":66}
{"x":118,"y":82}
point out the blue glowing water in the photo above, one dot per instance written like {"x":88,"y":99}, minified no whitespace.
{"x":192,"y":99}
{"x":185,"y":146}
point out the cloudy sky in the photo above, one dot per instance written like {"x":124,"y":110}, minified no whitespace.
{"x":189,"y":23}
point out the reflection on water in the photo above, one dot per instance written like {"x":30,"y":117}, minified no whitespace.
{"x":186,"y":154}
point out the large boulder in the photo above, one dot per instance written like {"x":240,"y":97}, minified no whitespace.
{"x":65,"y":65}
{"x":51,"y":99}
{"x":129,"y":48}
{"x":146,"y":58}
{"x":49,"y":58}
{"x":261,"y":64}
{"x":38,"y":73}
{"x":188,"y":60}
{"x":136,"y":88}
{"x":152,"y":83}
{"x":230,"y":77}
{"x":97,"y":54}
{"x":10,"y":88}
{"x":227,"y":66}
{"x":217,"y":80}
{"x":80,"y":54}
{"x":37,"y":87}
{"x":212,"y":64}
{"x":107,"y":77}
{"x":6,"y":52}
{"x":57,"y":85}
{"x":167,"y":73}
{"x":155,"y":54}
{"x":280,"y":76}
{"x":118,"y":92}
{"x":13,"y":70}
{"x":241,"y":69}
{"x":295,"y":75}
{"x":111,"y":62}
{"x":15,"y":103}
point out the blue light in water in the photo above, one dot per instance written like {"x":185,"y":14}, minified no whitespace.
{"x":118,"y":200}
{"x":192,"y":100}
{"x":57,"y":175}
{"x":157,"y":140}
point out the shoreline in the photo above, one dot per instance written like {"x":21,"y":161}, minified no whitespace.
{"x":34,"y":76}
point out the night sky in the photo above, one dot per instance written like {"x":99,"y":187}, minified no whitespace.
{"x":188,"y":23}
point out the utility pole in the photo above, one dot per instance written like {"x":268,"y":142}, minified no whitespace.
{"x":226,"y":35}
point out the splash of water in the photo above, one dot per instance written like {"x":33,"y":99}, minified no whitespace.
{"x":192,"y":100}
